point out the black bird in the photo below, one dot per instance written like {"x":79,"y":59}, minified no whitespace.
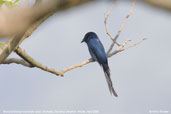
{"x":97,"y":52}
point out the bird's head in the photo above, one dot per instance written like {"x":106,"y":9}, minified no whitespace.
{"x":88,"y":36}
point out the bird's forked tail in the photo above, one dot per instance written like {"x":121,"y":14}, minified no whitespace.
{"x":108,"y":79}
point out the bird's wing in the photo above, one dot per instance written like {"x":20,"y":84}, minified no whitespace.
{"x":97,"y":51}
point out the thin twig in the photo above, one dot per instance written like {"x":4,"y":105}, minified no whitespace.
{"x":125,"y":20}
{"x":121,"y":48}
{"x":106,"y":15}
{"x":121,"y":28}
{"x":76,"y":65}
{"x":17,"y":61}
{"x":133,"y":45}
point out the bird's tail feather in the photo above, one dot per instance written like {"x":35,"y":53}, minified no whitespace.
{"x":108,"y":79}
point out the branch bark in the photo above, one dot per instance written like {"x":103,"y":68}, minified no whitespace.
{"x":14,"y":42}
{"x":114,"y":39}
{"x":34,"y":63}
{"x":17,"y":61}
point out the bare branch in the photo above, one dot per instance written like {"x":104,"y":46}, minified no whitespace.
{"x":133,"y":45}
{"x":121,"y":28}
{"x":34,"y":63}
{"x":17,"y":61}
{"x":121,"y":47}
{"x":30,"y":62}
{"x":106,"y":15}
{"x":77,"y":65}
